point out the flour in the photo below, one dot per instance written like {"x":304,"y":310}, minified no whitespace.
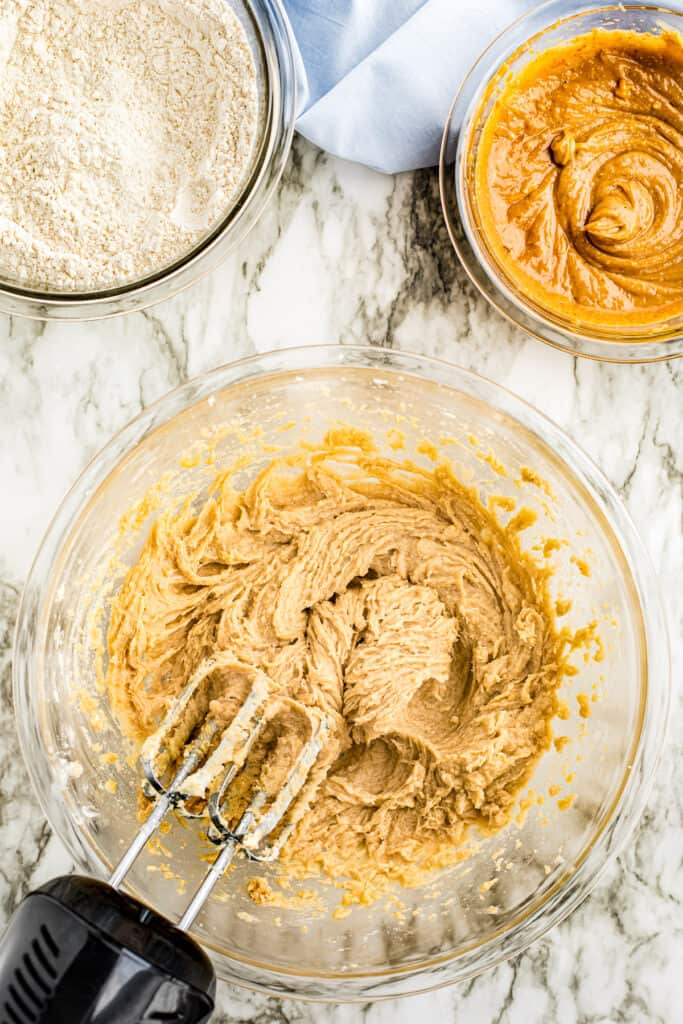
{"x":127,"y":131}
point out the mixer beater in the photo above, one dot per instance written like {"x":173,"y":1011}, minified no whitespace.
{"x":79,"y":951}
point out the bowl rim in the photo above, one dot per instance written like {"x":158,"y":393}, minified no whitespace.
{"x":628,"y":803}
{"x":274,"y":41}
{"x":482,"y":272}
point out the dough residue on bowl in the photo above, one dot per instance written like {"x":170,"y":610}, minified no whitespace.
{"x":386,"y":596}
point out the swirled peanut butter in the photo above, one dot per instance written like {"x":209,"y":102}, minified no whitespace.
{"x":384,"y":596}
{"x":579,"y":179}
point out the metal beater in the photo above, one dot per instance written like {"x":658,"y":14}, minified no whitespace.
{"x":204,"y":755}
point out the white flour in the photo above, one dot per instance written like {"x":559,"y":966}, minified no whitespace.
{"x":127,"y":128}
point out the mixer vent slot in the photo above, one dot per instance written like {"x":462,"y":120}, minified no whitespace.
{"x":32,"y":983}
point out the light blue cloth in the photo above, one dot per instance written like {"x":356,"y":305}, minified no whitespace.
{"x":378,"y":76}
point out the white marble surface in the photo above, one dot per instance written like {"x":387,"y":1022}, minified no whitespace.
{"x":344,"y":255}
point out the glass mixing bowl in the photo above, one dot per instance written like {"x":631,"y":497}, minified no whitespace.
{"x":545,"y":863}
{"x":267,"y":31}
{"x":546,"y":26}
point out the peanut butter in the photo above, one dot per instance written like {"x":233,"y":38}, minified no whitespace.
{"x":579,"y":179}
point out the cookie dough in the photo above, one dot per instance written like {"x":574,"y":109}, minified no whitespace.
{"x":384,"y":596}
{"x":579,"y":177}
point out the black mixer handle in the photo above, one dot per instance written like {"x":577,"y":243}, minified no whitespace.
{"x":77,"y":951}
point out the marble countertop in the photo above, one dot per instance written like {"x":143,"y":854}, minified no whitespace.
{"x":345,"y":255}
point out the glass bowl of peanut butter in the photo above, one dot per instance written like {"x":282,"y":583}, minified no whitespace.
{"x":562,"y":175}
{"x":416,"y":550}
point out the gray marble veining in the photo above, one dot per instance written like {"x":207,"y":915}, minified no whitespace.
{"x":344,"y":255}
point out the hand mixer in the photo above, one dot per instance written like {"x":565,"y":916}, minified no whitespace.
{"x":79,"y":951}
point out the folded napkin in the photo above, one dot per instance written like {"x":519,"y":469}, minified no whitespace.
{"x":377,"y":77}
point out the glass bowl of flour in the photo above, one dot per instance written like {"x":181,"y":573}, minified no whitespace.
{"x":140,"y":142}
